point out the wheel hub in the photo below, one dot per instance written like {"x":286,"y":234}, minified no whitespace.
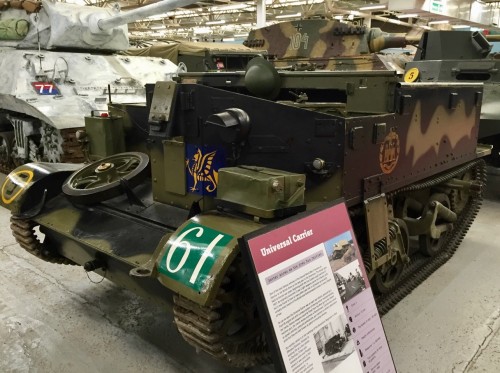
{"x":104,"y":179}
{"x":104,"y":167}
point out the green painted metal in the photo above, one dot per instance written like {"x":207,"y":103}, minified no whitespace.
{"x":191,"y":255}
{"x":106,"y":136}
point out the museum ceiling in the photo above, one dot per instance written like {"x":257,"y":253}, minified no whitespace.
{"x":224,"y":19}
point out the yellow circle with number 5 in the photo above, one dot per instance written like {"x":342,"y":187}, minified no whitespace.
{"x":411,"y":75}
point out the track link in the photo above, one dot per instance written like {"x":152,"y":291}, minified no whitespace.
{"x":24,"y":233}
{"x":208,"y":328}
{"x":72,"y":151}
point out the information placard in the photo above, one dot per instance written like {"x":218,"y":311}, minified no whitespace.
{"x":314,"y":295}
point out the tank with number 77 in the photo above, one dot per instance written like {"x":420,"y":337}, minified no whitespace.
{"x":57,"y":64}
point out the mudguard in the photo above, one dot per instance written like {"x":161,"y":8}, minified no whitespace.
{"x":194,"y":259}
{"x":31,"y":184}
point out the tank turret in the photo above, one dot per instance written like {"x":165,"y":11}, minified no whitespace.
{"x":327,"y":44}
{"x":48,"y":24}
{"x":49,"y":80}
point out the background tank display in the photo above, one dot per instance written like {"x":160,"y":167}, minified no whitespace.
{"x":56,"y":66}
{"x":463,"y":56}
{"x":200,"y":56}
{"x":329,"y":44}
{"x":232,"y":152}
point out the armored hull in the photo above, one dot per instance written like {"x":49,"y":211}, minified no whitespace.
{"x":224,"y":163}
{"x":468,"y":60}
{"x":46,"y":95}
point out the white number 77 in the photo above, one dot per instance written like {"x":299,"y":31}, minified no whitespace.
{"x":42,"y":86}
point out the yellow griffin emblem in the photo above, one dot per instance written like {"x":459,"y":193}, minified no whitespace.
{"x":200,"y":168}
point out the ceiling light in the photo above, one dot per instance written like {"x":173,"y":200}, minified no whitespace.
{"x":438,"y":22}
{"x":220,"y":22}
{"x":230,"y":7}
{"x":289,"y":15}
{"x":240,"y":35}
{"x":372,"y":7}
{"x":410,"y":15}
{"x":460,"y":26}
{"x":201,"y":30}
{"x":159,"y":27}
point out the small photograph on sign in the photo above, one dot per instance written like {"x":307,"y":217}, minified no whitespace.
{"x":350,"y":281}
{"x":335,"y":346}
{"x":340,"y":250}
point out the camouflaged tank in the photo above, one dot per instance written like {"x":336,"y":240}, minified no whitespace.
{"x":312,"y":44}
{"x":56,"y":66}
{"x":233,"y":152}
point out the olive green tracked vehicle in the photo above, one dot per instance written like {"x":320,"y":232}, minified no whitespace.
{"x":231,"y":152}
{"x":322,"y":44}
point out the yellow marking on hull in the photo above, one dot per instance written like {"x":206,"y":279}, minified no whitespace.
{"x":15,"y":178}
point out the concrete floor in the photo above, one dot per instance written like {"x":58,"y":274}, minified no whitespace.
{"x":54,"y":319}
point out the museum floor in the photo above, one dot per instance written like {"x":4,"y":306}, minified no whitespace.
{"x":54,"y":319}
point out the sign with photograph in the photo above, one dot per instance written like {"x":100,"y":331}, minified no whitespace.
{"x":315,"y":296}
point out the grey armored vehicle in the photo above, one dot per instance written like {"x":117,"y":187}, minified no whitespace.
{"x":57,"y":65}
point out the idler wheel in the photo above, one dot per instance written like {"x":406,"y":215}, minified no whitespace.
{"x":104,"y":179}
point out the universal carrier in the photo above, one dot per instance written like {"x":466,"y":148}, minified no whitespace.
{"x":230,"y":153}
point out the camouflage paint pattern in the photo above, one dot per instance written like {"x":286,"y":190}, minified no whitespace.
{"x":328,"y":44}
{"x":455,"y":56}
{"x":419,"y":142}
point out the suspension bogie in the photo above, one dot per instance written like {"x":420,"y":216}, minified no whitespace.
{"x":27,"y":139}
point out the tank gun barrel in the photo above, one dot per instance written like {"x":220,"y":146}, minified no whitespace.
{"x":492,"y":37}
{"x":413,"y":40}
{"x":106,"y":24}
{"x":378,"y":40}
